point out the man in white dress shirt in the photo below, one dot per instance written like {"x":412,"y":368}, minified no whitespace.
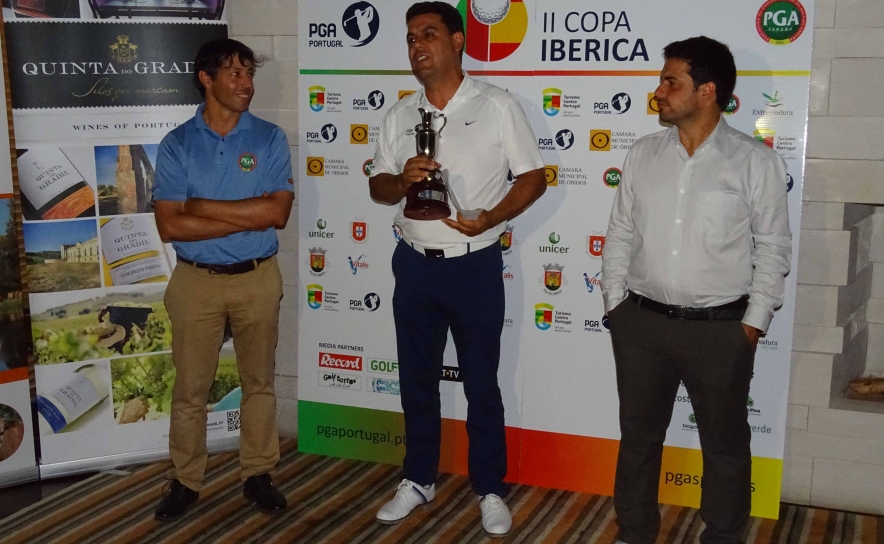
{"x":698,"y":246}
{"x":448,"y":271}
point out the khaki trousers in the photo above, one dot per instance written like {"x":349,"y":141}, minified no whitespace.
{"x":199,"y":304}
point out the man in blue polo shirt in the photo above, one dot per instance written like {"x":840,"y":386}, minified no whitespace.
{"x":223,"y":186}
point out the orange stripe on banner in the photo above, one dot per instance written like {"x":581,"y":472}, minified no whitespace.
{"x":14,"y":375}
{"x":574,"y":463}
{"x":6,"y":195}
{"x":455,"y":447}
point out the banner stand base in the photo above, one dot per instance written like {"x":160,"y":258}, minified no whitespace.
{"x":95,"y":464}
{"x":22,"y":476}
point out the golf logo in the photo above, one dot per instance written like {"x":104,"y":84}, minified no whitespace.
{"x":314,"y":296}
{"x":543,"y":316}
{"x":790,"y":182}
{"x":552,"y":278}
{"x":368,"y":167}
{"x":612,"y":177}
{"x":494,"y":28}
{"x":781,"y":22}
{"x":552,"y":101}
{"x":733,"y":105}
{"x":372,"y":302}
{"x":328,"y":133}
{"x":564,"y":139}
{"x":247,"y":162}
{"x":373,"y":102}
{"x":361,"y":23}
{"x":621,"y":103}
{"x":317,"y":98}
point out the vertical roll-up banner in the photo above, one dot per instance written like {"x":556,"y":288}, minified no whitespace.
{"x":17,"y":456}
{"x":585,"y":75}
{"x":95,"y":86}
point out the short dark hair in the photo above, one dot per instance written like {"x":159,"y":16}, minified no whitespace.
{"x":709,"y":61}
{"x":216,"y":54}
{"x":451,"y":18}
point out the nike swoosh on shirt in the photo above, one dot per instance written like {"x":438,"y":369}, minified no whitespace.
{"x":470,"y":123}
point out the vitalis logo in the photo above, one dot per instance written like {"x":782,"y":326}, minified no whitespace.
{"x":360,"y":23}
{"x":84,"y":64}
{"x":593,"y":283}
{"x":355,"y":265}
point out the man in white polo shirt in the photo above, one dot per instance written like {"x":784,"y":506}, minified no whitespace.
{"x":448,"y":272}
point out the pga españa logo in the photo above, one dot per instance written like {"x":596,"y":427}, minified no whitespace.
{"x":494,"y":28}
{"x":781,"y":22}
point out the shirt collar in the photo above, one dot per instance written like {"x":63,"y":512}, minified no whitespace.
{"x":466,"y":91}
{"x":717,"y":139}
{"x":244,"y":123}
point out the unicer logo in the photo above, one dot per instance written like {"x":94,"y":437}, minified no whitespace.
{"x":337,"y":360}
{"x":361,"y":23}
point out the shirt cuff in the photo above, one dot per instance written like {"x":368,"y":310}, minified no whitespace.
{"x":758,"y":316}
{"x":612,"y":300}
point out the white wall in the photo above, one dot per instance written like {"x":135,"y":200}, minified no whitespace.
{"x":835,"y":457}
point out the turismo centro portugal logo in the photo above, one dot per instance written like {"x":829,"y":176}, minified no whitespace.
{"x":781,"y":22}
{"x":495,"y":28}
{"x":314,"y":296}
{"x":543,"y":314}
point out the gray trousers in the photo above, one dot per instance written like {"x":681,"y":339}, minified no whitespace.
{"x":714,"y":359}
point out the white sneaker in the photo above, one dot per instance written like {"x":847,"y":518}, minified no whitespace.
{"x":496,"y":518}
{"x":409,"y":496}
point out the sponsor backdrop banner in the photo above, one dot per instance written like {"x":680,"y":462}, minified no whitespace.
{"x":17,"y":460}
{"x":91,"y":101}
{"x":585,"y":76}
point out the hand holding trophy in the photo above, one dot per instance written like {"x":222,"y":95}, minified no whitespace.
{"x":427,"y":200}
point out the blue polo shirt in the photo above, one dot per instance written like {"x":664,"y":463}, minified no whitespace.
{"x":193,"y":161}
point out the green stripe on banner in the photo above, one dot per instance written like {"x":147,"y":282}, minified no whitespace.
{"x":353,"y":433}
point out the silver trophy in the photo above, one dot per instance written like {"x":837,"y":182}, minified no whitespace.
{"x":427,"y":200}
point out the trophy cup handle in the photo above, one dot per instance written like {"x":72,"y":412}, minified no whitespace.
{"x":444,"y":122}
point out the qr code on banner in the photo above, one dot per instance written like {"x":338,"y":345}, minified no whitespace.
{"x":232,"y":420}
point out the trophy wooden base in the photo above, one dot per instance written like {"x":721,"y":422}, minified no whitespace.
{"x":427,"y":201}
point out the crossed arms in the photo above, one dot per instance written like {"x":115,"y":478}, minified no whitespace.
{"x":202,"y":219}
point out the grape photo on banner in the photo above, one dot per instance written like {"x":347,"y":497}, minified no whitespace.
{"x":142,"y":386}
{"x":62,"y":255}
{"x":87,"y":325}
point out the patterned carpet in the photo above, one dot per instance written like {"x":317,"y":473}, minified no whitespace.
{"x":334,"y":501}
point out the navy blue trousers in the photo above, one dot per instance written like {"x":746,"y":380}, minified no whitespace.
{"x":464,"y":294}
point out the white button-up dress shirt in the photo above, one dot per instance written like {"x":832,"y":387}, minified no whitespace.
{"x":486,"y":135}
{"x":701,"y":230}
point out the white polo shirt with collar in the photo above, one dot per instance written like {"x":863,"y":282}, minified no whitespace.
{"x":486,"y":136}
